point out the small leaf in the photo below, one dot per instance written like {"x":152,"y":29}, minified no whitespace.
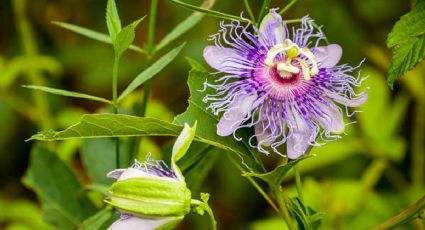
{"x":92,"y":34}
{"x":307,"y":218}
{"x":113,"y":21}
{"x":125,"y":37}
{"x":184,"y":26}
{"x":66,"y":93}
{"x":65,"y":205}
{"x":407,"y":39}
{"x":151,"y":71}
{"x":405,"y":57}
{"x":276,"y":176}
{"x":206,"y":11}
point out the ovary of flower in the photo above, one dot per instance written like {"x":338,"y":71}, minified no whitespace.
{"x":291,"y":51}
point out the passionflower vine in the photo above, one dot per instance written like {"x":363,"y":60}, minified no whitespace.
{"x":282,"y":83}
{"x":152,"y":195}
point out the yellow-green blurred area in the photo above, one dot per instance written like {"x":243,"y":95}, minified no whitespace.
{"x":357,"y":182}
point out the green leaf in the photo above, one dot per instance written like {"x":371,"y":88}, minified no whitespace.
{"x":125,"y":37}
{"x":206,"y":11}
{"x":405,"y":57}
{"x":151,"y":71}
{"x":98,"y":157}
{"x":92,"y":34}
{"x":113,"y":21}
{"x":407,"y":39}
{"x":100,"y":220}
{"x":275,"y":177}
{"x":184,"y":26}
{"x":306,"y":217}
{"x":64,"y":202}
{"x":111,"y":125}
{"x":207,"y":121}
{"x":67,"y":93}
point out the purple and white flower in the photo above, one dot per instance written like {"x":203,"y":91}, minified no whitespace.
{"x":281,"y":83}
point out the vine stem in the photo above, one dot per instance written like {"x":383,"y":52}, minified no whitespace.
{"x":281,"y":202}
{"x":209,"y":211}
{"x":406,"y":215}
{"x":287,"y":7}
{"x":298,"y":183}
{"x":249,"y":10}
{"x":115,"y":105}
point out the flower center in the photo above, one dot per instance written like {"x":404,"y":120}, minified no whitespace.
{"x":303,"y":59}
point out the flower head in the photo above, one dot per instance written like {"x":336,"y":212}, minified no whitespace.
{"x":281,"y":83}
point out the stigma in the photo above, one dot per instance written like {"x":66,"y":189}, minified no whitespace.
{"x":295,"y":60}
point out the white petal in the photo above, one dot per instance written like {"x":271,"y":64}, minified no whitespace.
{"x":123,"y":174}
{"x":327,"y":56}
{"x":271,"y":29}
{"x":235,"y":114}
{"x":221,"y":58}
{"x":354,"y":102}
{"x":299,"y":137}
{"x":332,"y":119}
{"x":137,"y":223}
{"x":116,"y":173}
{"x":263,"y":134}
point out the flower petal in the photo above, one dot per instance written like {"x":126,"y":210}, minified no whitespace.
{"x":221,"y":58}
{"x":236,"y":114}
{"x":351,"y":102}
{"x":133,"y":222}
{"x":122,"y":174}
{"x":299,"y":136}
{"x":331,"y":119}
{"x":328,"y":56}
{"x":271,"y":29}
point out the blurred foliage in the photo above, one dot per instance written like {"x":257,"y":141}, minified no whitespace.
{"x":356,"y":183}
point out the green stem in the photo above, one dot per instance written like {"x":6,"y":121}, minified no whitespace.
{"x":209,"y":211}
{"x":34,"y":76}
{"x":207,"y":12}
{"x":264,"y":9}
{"x":406,"y":215}
{"x":151,"y":28}
{"x":290,"y":4}
{"x":281,"y":202}
{"x":256,"y":185}
{"x":298,"y":183}
{"x":115,"y":105}
{"x":249,"y":10}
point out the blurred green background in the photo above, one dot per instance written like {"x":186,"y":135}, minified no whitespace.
{"x":357,"y":182}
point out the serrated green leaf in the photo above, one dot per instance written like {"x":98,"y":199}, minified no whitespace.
{"x":405,"y":57}
{"x":65,"y":205}
{"x":410,"y":25}
{"x":125,"y":37}
{"x":407,"y":39}
{"x":113,"y":21}
{"x":151,"y":71}
{"x":207,"y":121}
{"x":92,"y":34}
{"x":184,"y":26}
{"x":67,"y":93}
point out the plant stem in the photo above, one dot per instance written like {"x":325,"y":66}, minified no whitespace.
{"x":34,"y":76}
{"x":256,"y":185}
{"x":281,"y":202}
{"x":290,"y":4}
{"x":209,"y":211}
{"x":406,"y":215}
{"x":298,"y":183}
{"x":249,"y":10}
{"x":263,"y":11}
{"x":151,"y":28}
{"x":115,"y":105}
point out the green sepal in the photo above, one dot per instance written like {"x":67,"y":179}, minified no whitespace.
{"x":181,"y":146}
{"x":153,"y":196}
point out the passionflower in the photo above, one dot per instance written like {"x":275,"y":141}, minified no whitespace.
{"x":152,"y":195}
{"x":280,"y":82}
